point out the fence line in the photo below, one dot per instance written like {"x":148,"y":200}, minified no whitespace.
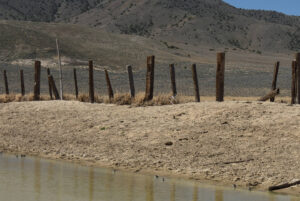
{"x":220,"y":80}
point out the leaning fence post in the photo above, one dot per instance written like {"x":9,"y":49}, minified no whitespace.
{"x":298,"y":75}
{"x":294,"y":76}
{"x":150,"y":78}
{"x":53,"y":87}
{"x":37,"y":80}
{"x":196,"y":85}
{"x":75,"y":82}
{"x":220,"y":77}
{"x":91,"y":82}
{"x":22,"y":82}
{"x":270,"y":95}
{"x":275,"y":75}
{"x":131,"y":81}
{"x":49,"y":84}
{"x":173,"y":79}
{"x":5,"y":82}
{"x":109,"y":88}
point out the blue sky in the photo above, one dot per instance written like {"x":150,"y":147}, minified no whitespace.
{"x":290,"y":7}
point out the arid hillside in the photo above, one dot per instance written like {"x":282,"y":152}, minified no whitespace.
{"x":211,"y":23}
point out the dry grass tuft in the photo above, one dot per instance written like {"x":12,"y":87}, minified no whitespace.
{"x":125,"y":99}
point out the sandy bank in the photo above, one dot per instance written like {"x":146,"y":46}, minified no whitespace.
{"x":243,"y":143}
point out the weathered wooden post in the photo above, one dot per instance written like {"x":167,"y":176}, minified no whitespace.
{"x":220,"y":77}
{"x":173,"y":79}
{"x":298,"y":75}
{"x":91,"y":82}
{"x":150,"y":78}
{"x":275,"y":75}
{"x":196,"y":85}
{"x":53,"y":87}
{"x":270,"y":95}
{"x":294,"y":76}
{"x":37,"y":80}
{"x":131,"y":81}
{"x":22,"y":82}
{"x":109,"y":88}
{"x":5,"y":82}
{"x":49,"y":84}
{"x":75,"y":82}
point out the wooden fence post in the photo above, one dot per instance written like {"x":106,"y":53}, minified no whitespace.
{"x":53,"y":87}
{"x":196,"y":85}
{"x":173,"y":79}
{"x":220,"y":77}
{"x":37,"y":80}
{"x":150,"y":78}
{"x":49,"y":84}
{"x":5,"y":82}
{"x":22,"y":82}
{"x":275,"y":75}
{"x":298,"y":75}
{"x":294,"y":76}
{"x":91,"y":82}
{"x":75,"y":82}
{"x":109,"y":88}
{"x":270,"y":95}
{"x":131,"y":81}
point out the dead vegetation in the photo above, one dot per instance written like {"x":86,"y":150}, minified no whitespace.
{"x":125,"y":99}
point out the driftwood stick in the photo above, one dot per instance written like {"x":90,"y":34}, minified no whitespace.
{"x":282,"y":186}
{"x":270,"y":95}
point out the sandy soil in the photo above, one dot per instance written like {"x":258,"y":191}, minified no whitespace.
{"x":245,"y":143}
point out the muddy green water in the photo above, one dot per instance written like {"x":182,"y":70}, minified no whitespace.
{"x":34,"y":179}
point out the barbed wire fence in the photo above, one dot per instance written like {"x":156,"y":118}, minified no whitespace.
{"x":242,"y":82}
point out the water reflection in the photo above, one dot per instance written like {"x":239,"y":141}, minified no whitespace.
{"x":219,"y":195}
{"x":91,"y":184}
{"x":195,"y":194}
{"x":173,"y":191}
{"x":35,"y":179}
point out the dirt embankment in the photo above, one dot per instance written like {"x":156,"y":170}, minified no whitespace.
{"x":244,"y":143}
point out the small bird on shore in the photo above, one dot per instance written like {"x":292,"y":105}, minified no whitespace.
{"x":23,"y":155}
{"x":234,"y":186}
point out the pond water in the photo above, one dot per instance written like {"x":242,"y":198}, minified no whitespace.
{"x":34,"y":179}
